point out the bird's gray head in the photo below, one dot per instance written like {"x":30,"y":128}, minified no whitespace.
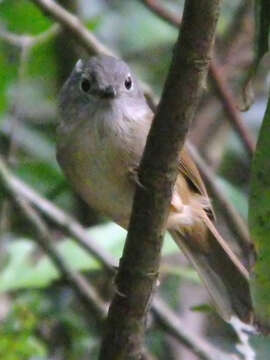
{"x":101,"y":82}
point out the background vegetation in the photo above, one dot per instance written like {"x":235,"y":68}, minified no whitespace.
{"x":41,"y":316}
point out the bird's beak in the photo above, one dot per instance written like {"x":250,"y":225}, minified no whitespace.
{"x":107,"y":92}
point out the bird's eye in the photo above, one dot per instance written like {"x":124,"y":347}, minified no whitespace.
{"x":128,"y":83}
{"x":85,"y":85}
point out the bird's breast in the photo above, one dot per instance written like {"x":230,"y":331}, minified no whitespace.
{"x":96,"y":161}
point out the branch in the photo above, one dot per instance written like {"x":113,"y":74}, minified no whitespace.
{"x":58,"y":216}
{"x":216,"y":76}
{"x":235,"y":222}
{"x":158,"y":8}
{"x":22,"y":41}
{"x":73,"y":25}
{"x":172,"y":325}
{"x":25,"y":43}
{"x":80,"y":235}
{"x":85,"y":291}
{"x":139,"y":265}
{"x":230,"y":108}
{"x":79,"y":32}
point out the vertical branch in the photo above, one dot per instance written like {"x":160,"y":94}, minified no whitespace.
{"x":139,"y":265}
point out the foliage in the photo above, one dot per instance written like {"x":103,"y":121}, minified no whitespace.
{"x":262,"y":8}
{"x":43,"y":317}
{"x":259,"y":212}
{"x":17,"y":335}
{"x":22,"y":272}
{"x":259,"y":203}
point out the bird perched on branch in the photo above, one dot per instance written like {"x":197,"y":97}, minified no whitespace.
{"x":104,"y":123}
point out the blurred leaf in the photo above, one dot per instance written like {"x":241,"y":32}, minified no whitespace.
{"x":94,"y":22}
{"x":262,"y":22}
{"x":169,"y":246}
{"x":205,"y":308}
{"x":184,"y":272}
{"x":259,"y":215}
{"x":262,"y":10}
{"x":23,"y":272}
{"x":261,"y":345}
{"x":32,"y":141}
{"x":143,"y":30}
{"x":8,"y":73}
{"x":43,"y":62}
{"x":236,"y":196}
{"x":22,"y":16}
{"x":17,"y":335}
{"x":43,"y":177}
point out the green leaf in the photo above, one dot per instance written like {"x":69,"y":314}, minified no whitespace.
{"x":259,"y":221}
{"x":235,"y":195}
{"x":262,"y":25}
{"x":205,"y":308}
{"x":8,"y":73}
{"x":262,"y":10}
{"x":22,"y":272}
{"x":262,"y":20}
{"x":184,"y":272}
{"x":32,"y":141}
{"x":22,"y":16}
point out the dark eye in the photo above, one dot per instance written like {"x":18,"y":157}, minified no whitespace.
{"x":128,"y":83}
{"x":85,"y":85}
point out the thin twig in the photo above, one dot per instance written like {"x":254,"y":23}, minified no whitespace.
{"x":80,"y":235}
{"x":216,"y":76}
{"x":158,"y":8}
{"x":86,"y":38}
{"x":25,"y":43}
{"x":72,"y":23}
{"x":29,"y":40}
{"x":71,"y":229}
{"x":57,"y":215}
{"x":230,"y":108}
{"x":88,"y":295}
{"x":83,"y":289}
{"x":236,"y":223}
{"x":172,"y":325}
{"x":231,"y":215}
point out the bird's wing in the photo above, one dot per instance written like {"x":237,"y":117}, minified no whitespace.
{"x":191,"y":173}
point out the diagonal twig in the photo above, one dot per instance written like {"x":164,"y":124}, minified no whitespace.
{"x":80,"y":235}
{"x":65,"y":19}
{"x":216,"y":76}
{"x":83,"y":289}
{"x":86,"y":38}
{"x":58,"y":216}
{"x":235,"y":222}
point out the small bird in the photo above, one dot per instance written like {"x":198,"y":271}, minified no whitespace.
{"x":104,"y":123}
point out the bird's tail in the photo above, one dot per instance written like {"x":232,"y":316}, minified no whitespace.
{"x":219,"y":268}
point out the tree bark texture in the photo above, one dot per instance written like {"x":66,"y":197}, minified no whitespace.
{"x":138,"y":271}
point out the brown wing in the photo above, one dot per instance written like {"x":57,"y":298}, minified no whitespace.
{"x":191,"y":173}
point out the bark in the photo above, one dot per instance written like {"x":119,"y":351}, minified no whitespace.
{"x":138,"y":271}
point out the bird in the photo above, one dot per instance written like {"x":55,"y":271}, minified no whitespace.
{"x":104,"y":120}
